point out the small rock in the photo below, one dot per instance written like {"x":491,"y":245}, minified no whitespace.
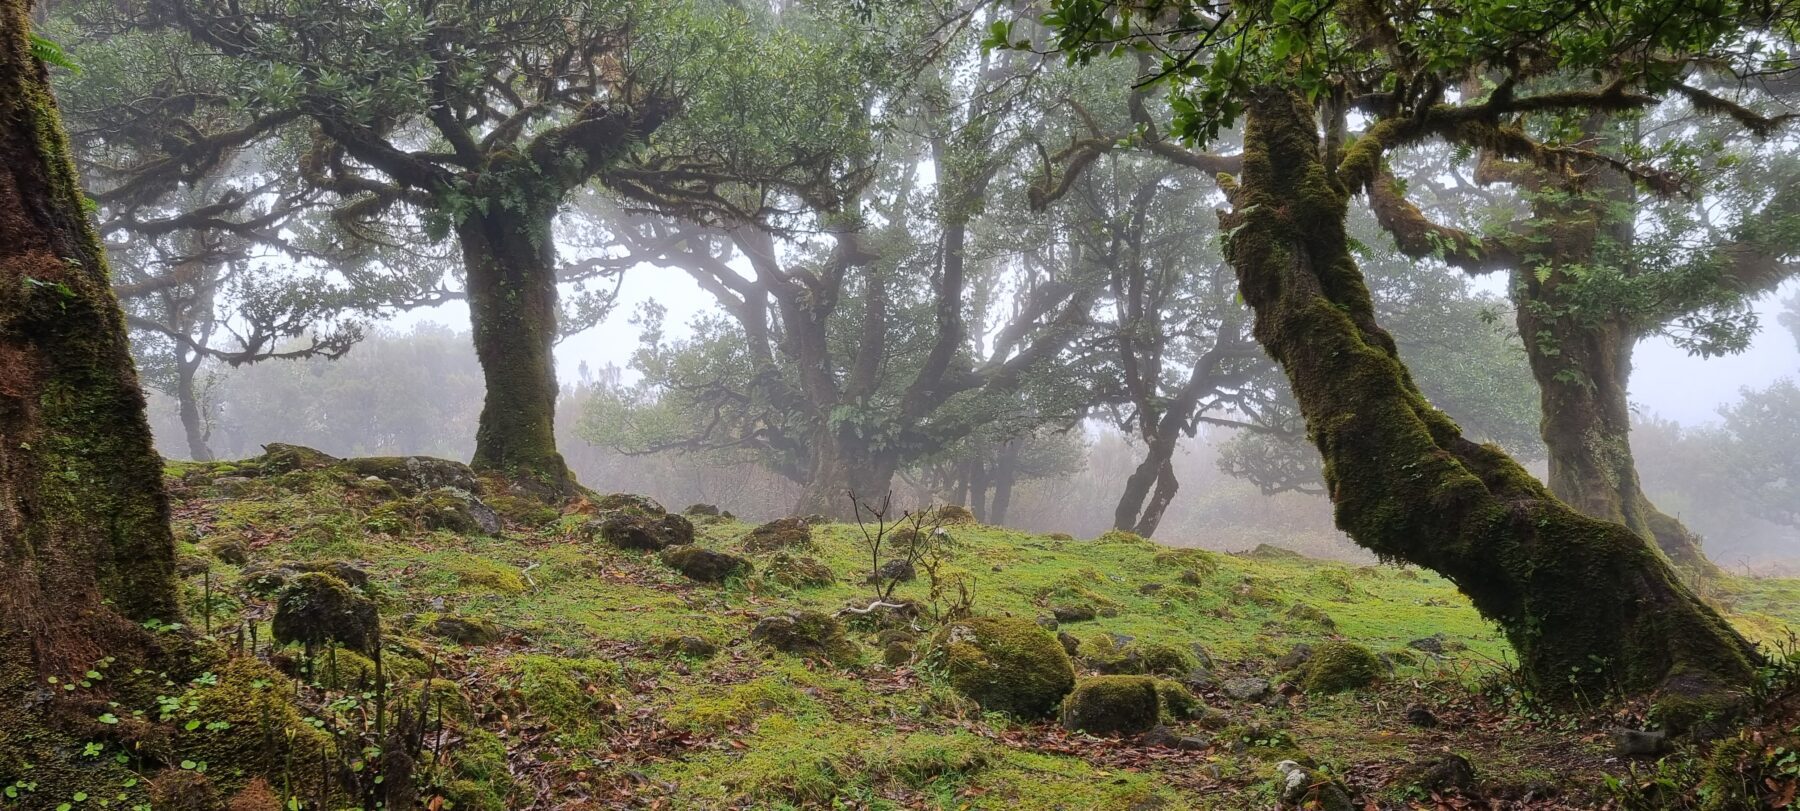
{"x":1420,"y":715}
{"x":1247,"y":688}
{"x":191,"y":565}
{"x":898,"y":570}
{"x":1150,"y":588}
{"x":1639,"y":743}
{"x":1191,"y":578}
{"x":1296,"y":656}
{"x":1112,"y":704}
{"x":806,"y":633}
{"x":701,"y":509}
{"x":692,"y":646}
{"x":465,"y":631}
{"x":1201,"y":654}
{"x":1432,"y":644}
{"x":1439,"y":775}
{"x":1108,"y":611}
{"x":896,"y":654}
{"x":1072,"y":613}
{"x":1301,"y":787}
{"x":780,"y":534}
{"x":1199,"y":679}
{"x":231,"y":485}
{"x":1166,"y":738}
{"x":1069,"y":642}
{"x":705,"y":565}
{"x":236,"y":553}
{"x":1046,"y":622}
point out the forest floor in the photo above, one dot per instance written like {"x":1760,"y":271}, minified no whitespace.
{"x":573,"y":687}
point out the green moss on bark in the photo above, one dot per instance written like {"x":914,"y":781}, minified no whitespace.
{"x":1568,"y":590}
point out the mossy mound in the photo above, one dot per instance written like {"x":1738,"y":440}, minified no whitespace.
{"x":701,"y":510}
{"x":280,"y":457}
{"x":415,"y":474}
{"x":950,"y":515}
{"x":631,"y":504}
{"x":1121,"y":536}
{"x":813,"y":634}
{"x":466,"y":631}
{"x":317,"y":608}
{"x":1336,"y":667}
{"x":798,"y":572}
{"x":633,"y":530}
{"x":705,"y":565}
{"x":1110,"y":705}
{"x":1108,"y":656}
{"x":781,"y":534}
{"x":1006,"y":665}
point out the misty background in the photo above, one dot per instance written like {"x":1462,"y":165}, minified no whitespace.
{"x":413,"y":387}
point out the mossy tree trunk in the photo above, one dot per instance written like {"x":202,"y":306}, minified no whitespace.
{"x":845,"y":465}
{"x":1586,"y":427}
{"x":1569,"y":591}
{"x":85,"y":547}
{"x":509,"y":258}
{"x":187,"y":396}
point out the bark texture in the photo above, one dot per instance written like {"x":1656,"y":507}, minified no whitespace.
{"x":1568,"y":590}
{"x":85,"y":546}
{"x":510,"y":261}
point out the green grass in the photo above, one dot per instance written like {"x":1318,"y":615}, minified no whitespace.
{"x":583,"y":698}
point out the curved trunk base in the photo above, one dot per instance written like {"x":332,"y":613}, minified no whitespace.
{"x":1589,"y":607}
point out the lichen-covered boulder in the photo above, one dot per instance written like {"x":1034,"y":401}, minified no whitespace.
{"x":415,"y":474}
{"x":1339,"y":666}
{"x":457,"y":510}
{"x":798,"y":572}
{"x":264,"y":580}
{"x":705,"y":565}
{"x":316,"y":608}
{"x":1108,"y":705}
{"x":1300,"y":787}
{"x":813,"y":634}
{"x":1006,"y":664}
{"x":780,"y":534}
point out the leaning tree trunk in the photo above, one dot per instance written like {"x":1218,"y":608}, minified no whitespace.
{"x":1569,"y":591}
{"x":510,"y":262}
{"x":188,"y":402}
{"x":1149,"y":488}
{"x":85,"y":548}
{"x":1587,"y":418}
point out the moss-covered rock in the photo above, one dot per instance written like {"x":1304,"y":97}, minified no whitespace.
{"x":1311,"y":615}
{"x":632,"y":504}
{"x":813,"y":634}
{"x":633,"y":530}
{"x":1336,"y":667}
{"x":781,"y":534}
{"x":466,"y":631}
{"x":249,"y":724}
{"x":1006,"y":664}
{"x":701,"y":510}
{"x":415,"y":474}
{"x":1120,"y":536}
{"x":798,"y":572}
{"x":280,"y":457}
{"x":457,"y":510}
{"x":316,"y":608}
{"x":705,"y":565}
{"x":950,"y":515}
{"x":1107,"y":705}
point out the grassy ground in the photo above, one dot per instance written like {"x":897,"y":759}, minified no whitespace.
{"x":580,"y":703}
